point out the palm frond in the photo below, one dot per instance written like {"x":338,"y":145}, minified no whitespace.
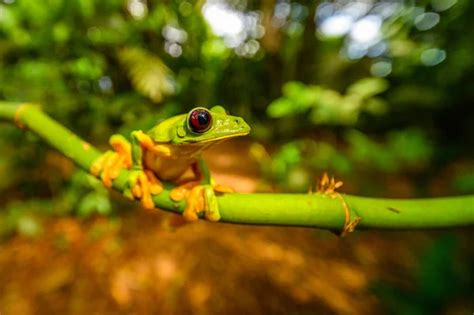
{"x":147,"y":72}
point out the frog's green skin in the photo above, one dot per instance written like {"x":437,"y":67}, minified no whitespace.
{"x":171,"y":151}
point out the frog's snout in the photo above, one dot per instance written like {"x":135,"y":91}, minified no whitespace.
{"x":240,"y":125}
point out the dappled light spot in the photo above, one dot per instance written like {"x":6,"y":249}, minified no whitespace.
{"x":225,"y":22}
{"x":174,"y":49}
{"x":336,"y":25}
{"x":356,"y":50}
{"x":381,"y":68}
{"x":349,"y":276}
{"x":199,"y":293}
{"x":121,"y":287}
{"x":377,"y":49}
{"x":442,"y":5}
{"x":432,"y":57}
{"x":425,"y":21}
{"x":367,"y":29}
{"x":357,"y":9}
{"x":137,"y":8}
{"x":174,"y":34}
{"x":175,"y":37}
{"x":280,"y":14}
{"x":165,"y":267}
{"x":237,"y":29}
{"x":105,"y":84}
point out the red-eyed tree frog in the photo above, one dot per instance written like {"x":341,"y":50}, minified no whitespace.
{"x":172,"y":151}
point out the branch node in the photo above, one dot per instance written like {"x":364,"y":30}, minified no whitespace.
{"x":17,"y":117}
{"x":328,"y":186}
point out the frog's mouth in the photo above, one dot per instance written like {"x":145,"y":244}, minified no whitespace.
{"x":224,"y":136}
{"x":214,"y":139}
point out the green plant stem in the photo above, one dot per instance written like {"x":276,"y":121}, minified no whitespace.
{"x":314,"y":210}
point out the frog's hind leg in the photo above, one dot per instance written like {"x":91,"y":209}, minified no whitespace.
{"x":143,"y":185}
{"x":200,"y":194}
{"x":199,"y":199}
{"x":200,"y":168}
{"x":193,"y":193}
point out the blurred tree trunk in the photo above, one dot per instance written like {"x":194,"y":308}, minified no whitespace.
{"x":271,"y":41}
{"x":306,"y":61}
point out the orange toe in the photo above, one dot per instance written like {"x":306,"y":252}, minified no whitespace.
{"x":156,"y":186}
{"x":178,"y":193}
{"x":222,"y":188}
{"x":195,"y":204}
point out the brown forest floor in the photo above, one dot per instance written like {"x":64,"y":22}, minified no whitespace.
{"x":138,"y":264}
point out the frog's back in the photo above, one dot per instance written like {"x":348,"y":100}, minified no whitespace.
{"x":165,"y":131}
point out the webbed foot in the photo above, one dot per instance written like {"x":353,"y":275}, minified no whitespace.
{"x":199,"y":199}
{"x":142,"y":185}
{"x":109,"y":164}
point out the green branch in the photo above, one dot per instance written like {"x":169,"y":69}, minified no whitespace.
{"x":314,"y":210}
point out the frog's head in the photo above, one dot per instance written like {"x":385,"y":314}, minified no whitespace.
{"x":199,"y":125}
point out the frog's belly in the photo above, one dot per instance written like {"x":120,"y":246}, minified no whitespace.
{"x":168,"y":169}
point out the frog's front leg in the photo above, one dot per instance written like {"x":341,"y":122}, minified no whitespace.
{"x":109,"y":164}
{"x":200,"y":194}
{"x":142,"y":183}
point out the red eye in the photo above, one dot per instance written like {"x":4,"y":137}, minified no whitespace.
{"x":200,"y":120}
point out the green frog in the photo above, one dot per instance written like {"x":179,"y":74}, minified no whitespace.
{"x":172,"y":151}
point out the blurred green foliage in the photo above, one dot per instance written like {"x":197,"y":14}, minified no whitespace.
{"x":438,"y":286}
{"x":327,"y":106}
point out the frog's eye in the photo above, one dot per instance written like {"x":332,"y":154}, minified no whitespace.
{"x":200,"y":120}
